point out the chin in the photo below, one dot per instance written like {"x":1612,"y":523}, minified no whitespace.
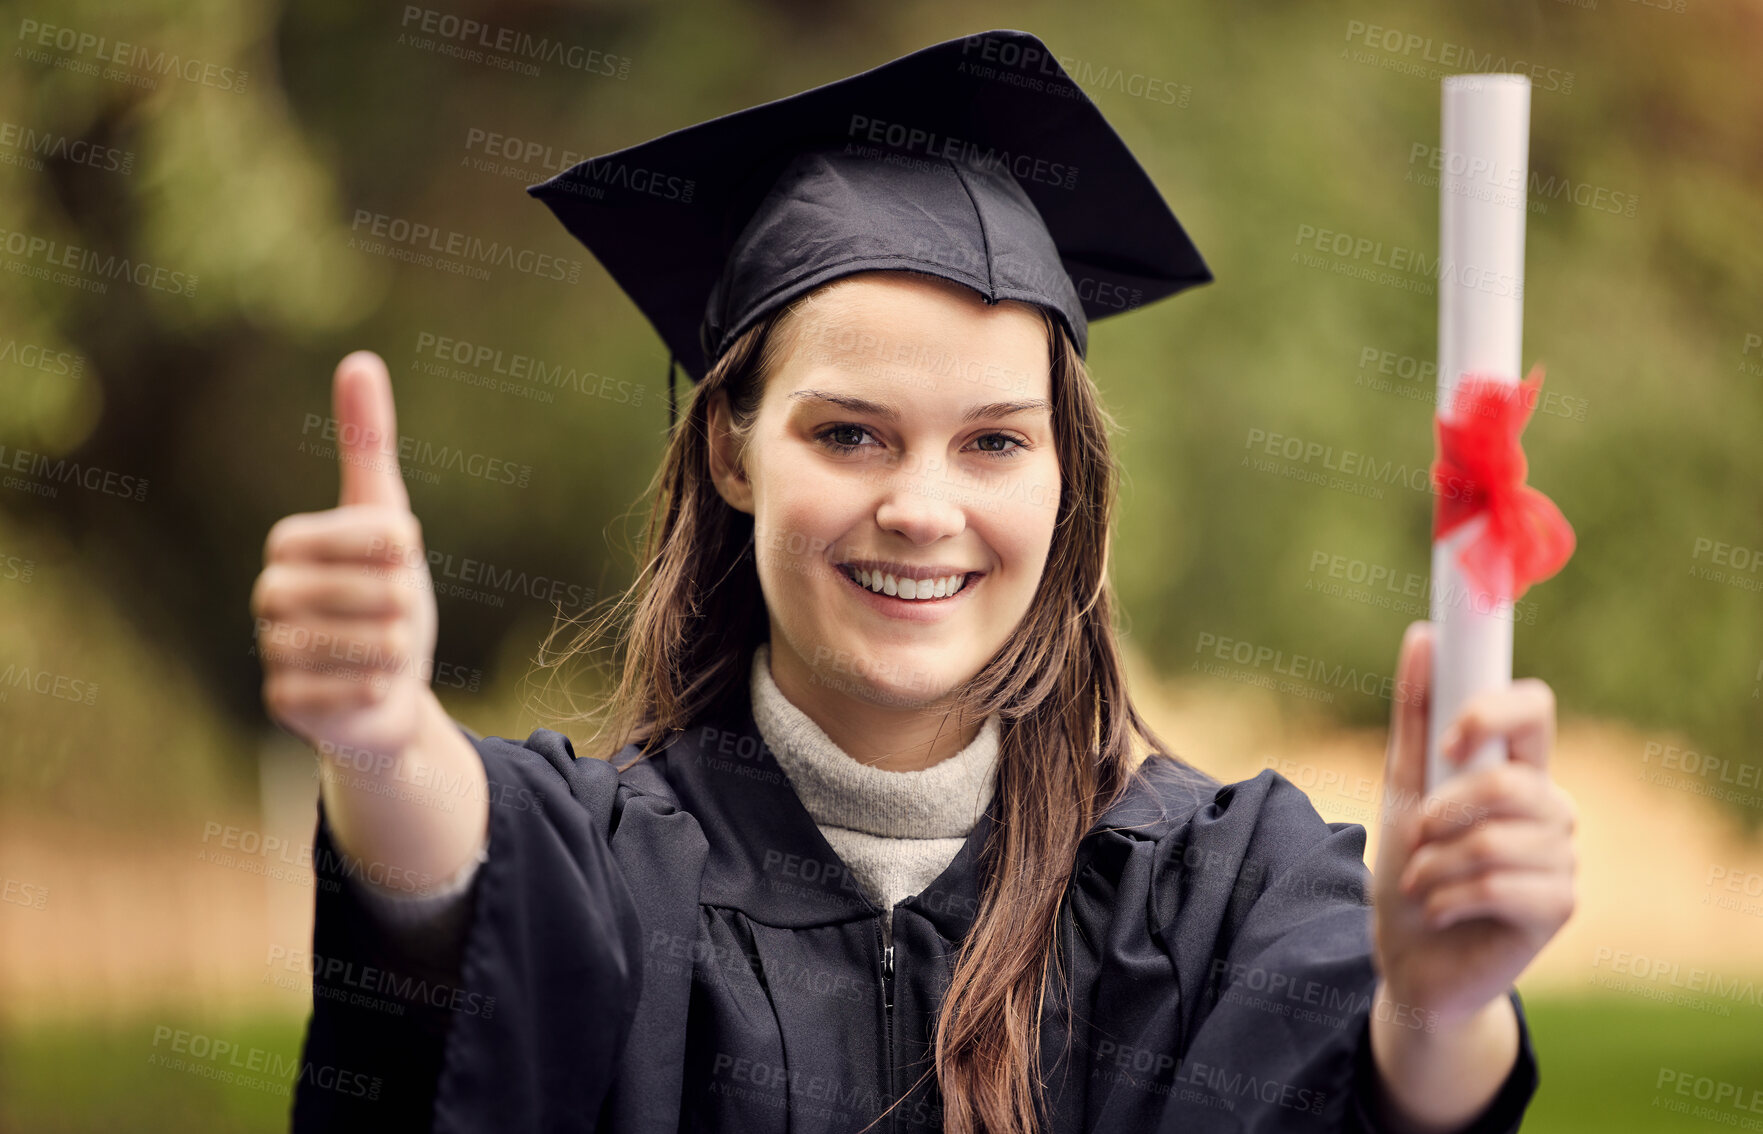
{"x":904,"y":696}
{"x":902,"y":677}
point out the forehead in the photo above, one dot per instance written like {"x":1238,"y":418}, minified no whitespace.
{"x":916,"y":333}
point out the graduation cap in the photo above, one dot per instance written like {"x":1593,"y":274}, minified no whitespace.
{"x":978,"y":160}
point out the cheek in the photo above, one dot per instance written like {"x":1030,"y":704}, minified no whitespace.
{"x":795,"y":532}
{"x":1020,"y":534}
{"x":1026,"y":517}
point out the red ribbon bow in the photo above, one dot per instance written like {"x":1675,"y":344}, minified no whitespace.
{"x":1480,"y":470}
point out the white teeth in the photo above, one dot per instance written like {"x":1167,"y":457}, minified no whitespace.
{"x":915,"y":590}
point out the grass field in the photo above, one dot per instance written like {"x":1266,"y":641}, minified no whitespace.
{"x":65,"y":1079}
{"x":1601,"y":1060}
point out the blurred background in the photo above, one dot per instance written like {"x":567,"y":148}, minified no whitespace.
{"x":201,"y":209}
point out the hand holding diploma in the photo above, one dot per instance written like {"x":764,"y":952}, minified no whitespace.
{"x":1471,"y":881}
{"x":1476,"y":875}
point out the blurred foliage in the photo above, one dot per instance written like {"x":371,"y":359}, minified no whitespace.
{"x":257,"y":193}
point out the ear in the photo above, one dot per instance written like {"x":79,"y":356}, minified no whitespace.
{"x":724,"y":451}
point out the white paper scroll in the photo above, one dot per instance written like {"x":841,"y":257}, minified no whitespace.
{"x":1483,"y":178}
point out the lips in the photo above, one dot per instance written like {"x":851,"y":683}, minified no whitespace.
{"x":895,"y":608}
{"x":908,"y":588}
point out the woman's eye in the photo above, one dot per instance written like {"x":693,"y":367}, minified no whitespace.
{"x":1019,"y":446}
{"x":842,"y":438}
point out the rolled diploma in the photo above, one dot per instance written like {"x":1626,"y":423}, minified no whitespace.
{"x":1484,"y":174}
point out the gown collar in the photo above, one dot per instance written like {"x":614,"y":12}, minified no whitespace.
{"x":769,"y":860}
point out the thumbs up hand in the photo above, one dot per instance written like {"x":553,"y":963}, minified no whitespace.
{"x":345,"y":607}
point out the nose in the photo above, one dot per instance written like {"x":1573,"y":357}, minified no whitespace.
{"x":920,"y":503}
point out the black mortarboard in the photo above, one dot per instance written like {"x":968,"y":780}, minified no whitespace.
{"x":978,"y":160}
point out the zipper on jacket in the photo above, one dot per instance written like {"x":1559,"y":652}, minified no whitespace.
{"x":888,"y":1016}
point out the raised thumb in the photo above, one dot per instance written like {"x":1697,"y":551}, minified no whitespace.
{"x":367,"y":432}
{"x":1405,"y":758}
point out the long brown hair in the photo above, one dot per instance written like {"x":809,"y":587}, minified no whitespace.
{"x":684,"y":632}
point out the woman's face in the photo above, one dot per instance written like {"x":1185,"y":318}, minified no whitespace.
{"x":903,"y":439}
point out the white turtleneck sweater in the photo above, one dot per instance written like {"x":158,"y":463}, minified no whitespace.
{"x":896,"y":831}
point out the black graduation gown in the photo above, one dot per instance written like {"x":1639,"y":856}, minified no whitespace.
{"x":677,"y":948}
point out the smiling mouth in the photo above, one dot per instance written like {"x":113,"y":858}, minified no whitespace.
{"x":909,"y":590}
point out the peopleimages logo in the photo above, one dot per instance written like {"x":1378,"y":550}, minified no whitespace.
{"x":1356,"y":472}
{"x":1026,"y":60}
{"x":32,"y":146}
{"x":468,"y":252}
{"x":506,"y":47}
{"x":35,"y":36}
{"x":94,"y":266}
{"x":1409,"y":51}
{"x":903,"y":137}
{"x":43,"y":474}
{"x":411,"y":451}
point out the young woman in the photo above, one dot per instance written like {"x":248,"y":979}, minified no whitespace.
{"x":865,"y":841}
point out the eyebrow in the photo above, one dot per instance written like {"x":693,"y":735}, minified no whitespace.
{"x":889,"y":413}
